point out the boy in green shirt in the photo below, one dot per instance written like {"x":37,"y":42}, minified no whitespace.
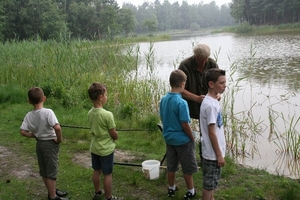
{"x":104,"y":134}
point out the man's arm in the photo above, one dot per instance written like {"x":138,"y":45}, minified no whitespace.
{"x":214,"y":142}
{"x":192,"y":97}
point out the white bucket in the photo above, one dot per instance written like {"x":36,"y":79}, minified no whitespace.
{"x":150,"y":169}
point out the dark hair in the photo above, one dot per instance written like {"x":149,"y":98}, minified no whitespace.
{"x":35,"y":95}
{"x":177,"y":77}
{"x":95,"y":90}
{"x":213,"y":75}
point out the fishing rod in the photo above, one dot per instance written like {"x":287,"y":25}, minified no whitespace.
{"x":85,"y":127}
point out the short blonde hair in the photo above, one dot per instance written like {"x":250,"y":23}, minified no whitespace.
{"x":201,"y":50}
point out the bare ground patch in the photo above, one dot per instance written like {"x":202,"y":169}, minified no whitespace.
{"x":14,"y":165}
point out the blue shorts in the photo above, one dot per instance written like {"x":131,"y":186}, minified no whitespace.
{"x":211,"y":173}
{"x":183,"y":154}
{"x":103,"y":163}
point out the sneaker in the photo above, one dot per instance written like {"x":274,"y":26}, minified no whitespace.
{"x":58,"y":198}
{"x":171,"y":192}
{"x":61,"y":193}
{"x":97,"y":195}
{"x":189,"y":195}
{"x":114,"y":198}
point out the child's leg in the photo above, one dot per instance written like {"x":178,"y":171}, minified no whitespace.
{"x":108,"y":185}
{"x":207,"y":194}
{"x":189,"y":181}
{"x":211,"y":173}
{"x":51,"y":187}
{"x":96,"y":180}
{"x":171,"y":178}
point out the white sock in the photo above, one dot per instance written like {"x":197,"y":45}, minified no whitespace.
{"x":172,"y":187}
{"x":192,"y":191}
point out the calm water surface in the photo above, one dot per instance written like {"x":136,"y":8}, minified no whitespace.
{"x":271,"y":64}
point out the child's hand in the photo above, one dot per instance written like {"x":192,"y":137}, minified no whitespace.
{"x":221,"y":161}
{"x":56,"y":140}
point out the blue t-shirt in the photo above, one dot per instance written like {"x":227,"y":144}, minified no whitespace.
{"x":173,"y":111}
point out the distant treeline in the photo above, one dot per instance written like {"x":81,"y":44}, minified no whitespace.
{"x":98,"y":19}
{"x":262,"y":12}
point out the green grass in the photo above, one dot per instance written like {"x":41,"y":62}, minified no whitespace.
{"x":237,"y":182}
{"x":246,"y":28}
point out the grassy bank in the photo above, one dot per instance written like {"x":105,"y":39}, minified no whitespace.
{"x":246,"y":28}
{"x":19,"y":171}
{"x":65,"y":70}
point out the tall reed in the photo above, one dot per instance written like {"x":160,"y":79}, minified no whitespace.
{"x":65,"y":70}
{"x":288,"y":139}
{"x":241,"y":127}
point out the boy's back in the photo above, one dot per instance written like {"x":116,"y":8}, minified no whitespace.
{"x":40,"y":122}
{"x":174,"y":114}
{"x":173,"y":111}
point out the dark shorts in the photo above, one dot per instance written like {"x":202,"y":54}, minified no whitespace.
{"x":103,"y":163}
{"x":183,"y":154}
{"x":211,"y":174}
{"x":47,"y":156}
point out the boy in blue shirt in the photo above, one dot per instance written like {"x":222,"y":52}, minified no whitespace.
{"x":174,"y":114}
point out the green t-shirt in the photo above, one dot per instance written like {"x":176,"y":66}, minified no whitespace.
{"x":100,"y":122}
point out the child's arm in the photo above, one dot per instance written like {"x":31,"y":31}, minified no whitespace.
{"x":27,"y":134}
{"x":187,"y":129}
{"x":58,"y":132}
{"x":113,"y":134}
{"x":214,"y":142}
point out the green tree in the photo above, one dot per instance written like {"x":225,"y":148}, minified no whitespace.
{"x":151,"y":24}
{"x":145,"y":12}
{"x":80,"y":20}
{"x":31,"y":18}
{"x":126,"y":20}
{"x":238,"y":8}
{"x":106,"y":19}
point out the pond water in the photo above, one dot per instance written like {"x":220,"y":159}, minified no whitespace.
{"x":271,"y":67}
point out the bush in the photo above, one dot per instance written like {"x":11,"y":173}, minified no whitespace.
{"x":244,"y":28}
{"x":194,"y":27}
{"x":12,"y":94}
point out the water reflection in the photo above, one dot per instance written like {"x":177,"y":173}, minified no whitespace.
{"x":270,"y":64}
{"x":288,"y":164}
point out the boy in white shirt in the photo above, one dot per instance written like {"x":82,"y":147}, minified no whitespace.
{"x":211,"y":125}
{"x":41,"y":123}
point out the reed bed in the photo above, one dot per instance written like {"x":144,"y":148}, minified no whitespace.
{"x":65,"y":71}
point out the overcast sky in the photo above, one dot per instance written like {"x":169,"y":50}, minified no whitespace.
{"x":140,"y":2}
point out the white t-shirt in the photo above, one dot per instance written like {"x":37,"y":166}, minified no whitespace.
{"x":210,"y":113}
{"x":40,"y":122}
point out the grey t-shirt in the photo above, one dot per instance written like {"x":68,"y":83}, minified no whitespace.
{"x":40,"y":122}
